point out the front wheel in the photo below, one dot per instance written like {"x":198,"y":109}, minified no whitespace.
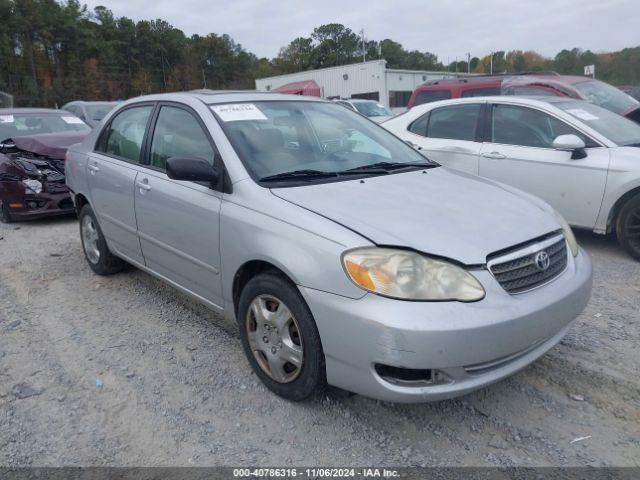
{"x":628,"y":227}
{"x":280,"y":337}
{"x":98,"y":256}
{"x":5,"y":216}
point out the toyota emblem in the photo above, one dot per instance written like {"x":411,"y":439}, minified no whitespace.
{"x":542,"y":260}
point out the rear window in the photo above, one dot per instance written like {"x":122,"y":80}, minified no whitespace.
{"x":17,"y":125}
{"x":428,"y":96}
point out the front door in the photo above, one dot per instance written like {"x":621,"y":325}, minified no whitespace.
{"x":520,"y":152}
{"x":179,"y":221}
{"x":112,"y":169}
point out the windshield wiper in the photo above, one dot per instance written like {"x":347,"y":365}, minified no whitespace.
{"x":299,"y":175}
{"x":386,"y":167}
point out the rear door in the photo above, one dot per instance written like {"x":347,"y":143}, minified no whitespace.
{"x":179,"y":221}
{"x":519,"y":152}
{"x":450,"y":135}
{"x":112,"y":168}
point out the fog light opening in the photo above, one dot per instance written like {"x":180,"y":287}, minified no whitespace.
{"x":411,"y":377}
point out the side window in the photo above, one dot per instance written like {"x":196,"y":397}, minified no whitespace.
{"x":457,"y":122}
{"x":514,"y":125}
{"x":124,"y":134}
{"x":419,"y":126}
{"x":428,"y":96}
{"x":178,"y":134}
{"x":480,"y":92}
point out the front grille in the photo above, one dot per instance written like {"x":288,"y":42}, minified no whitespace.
{"x":524,"y":268}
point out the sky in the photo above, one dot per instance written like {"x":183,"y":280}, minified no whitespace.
{"x":447,"y":28}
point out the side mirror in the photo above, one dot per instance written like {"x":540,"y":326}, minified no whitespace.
{"x":191,"y":169}
{"x":571,"y":143}
{"x":413,"y":145}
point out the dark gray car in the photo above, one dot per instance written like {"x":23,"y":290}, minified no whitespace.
{"x":90,"y":112}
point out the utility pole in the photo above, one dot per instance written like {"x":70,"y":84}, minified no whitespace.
{"x":364,"y":52}
{"x":204,"y":79}
{"x":468,"y":62}
{"x":491,"y":63}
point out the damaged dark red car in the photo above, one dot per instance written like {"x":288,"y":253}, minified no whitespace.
{"x":33,"y":144}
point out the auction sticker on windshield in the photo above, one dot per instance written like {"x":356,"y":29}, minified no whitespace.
{"x":6,"y":118}
{"x":238,"y":111}
{"x":72,"y":120}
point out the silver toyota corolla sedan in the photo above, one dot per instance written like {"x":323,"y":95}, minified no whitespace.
{"x":344,"y":255}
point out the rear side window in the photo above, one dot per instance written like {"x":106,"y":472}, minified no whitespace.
{"x":419,"y":126}
{"x":480,"y":92}
{"x":456,"y":122}
{"x":124,"y":135}
{"x":178,"y":134}
{"x":428,"y":96}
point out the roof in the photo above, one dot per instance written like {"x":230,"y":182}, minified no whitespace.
{"x":92,"y":102}
{"x":32,"y":111}
{"x":211,"y":97}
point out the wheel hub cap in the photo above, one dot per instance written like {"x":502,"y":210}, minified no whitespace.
{"x":274,"y":338}
{"x":90,"y":239}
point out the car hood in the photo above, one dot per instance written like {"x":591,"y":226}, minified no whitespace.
{"x":52,"y":145}
{"x":440,"y":212}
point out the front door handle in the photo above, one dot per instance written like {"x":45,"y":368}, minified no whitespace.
{"x":93,"y":168}
{"x":144,"y":185}
{"x":496,"y":155}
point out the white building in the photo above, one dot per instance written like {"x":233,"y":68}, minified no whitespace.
{"x":371,"y":80}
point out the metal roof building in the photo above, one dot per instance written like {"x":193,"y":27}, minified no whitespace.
{"x":372,"y":80}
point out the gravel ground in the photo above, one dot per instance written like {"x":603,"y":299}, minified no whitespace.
{"x":124,"y":371}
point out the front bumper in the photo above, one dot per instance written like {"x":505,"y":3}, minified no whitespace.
{"x":45,"y":204}
{"x":474,"y":344}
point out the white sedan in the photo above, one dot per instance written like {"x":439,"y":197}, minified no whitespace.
{"x":580,"y":158}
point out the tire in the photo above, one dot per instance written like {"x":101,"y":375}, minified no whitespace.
{"x":94,"y":246}
{"x":628,"y":227}
{"x":5,"y":216}
{"x":292,"y":337}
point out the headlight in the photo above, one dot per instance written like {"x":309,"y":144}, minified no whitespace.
{"x":568,"y":234}
{"x":408,"y":275}
{"x":34,"y":186}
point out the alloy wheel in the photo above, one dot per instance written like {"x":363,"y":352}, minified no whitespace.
{"x":275,"y":339}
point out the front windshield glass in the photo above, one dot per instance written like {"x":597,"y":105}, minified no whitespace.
{"x":619,"y":130}
{"x":607,"y":96}
{"x":18,"y":125}
{"x":98,"y":111}
{"x":372,"y":109}
{"x":276,"y":137}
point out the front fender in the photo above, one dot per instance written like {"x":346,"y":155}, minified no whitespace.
{"x":256,"y":225}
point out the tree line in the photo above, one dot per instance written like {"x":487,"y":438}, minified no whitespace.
{"x":52,"y":52}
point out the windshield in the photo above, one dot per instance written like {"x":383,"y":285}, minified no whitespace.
{"x":372,"y":109}
{"x":276,"y":137}
{"x":18,"y":125}
{"x":98,"y":111}
{"x":619,"y":130}
{"x":607,"y":96}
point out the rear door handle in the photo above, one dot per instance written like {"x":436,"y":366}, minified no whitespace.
{"x":93,"y":168}
{"x":496,"y":155}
